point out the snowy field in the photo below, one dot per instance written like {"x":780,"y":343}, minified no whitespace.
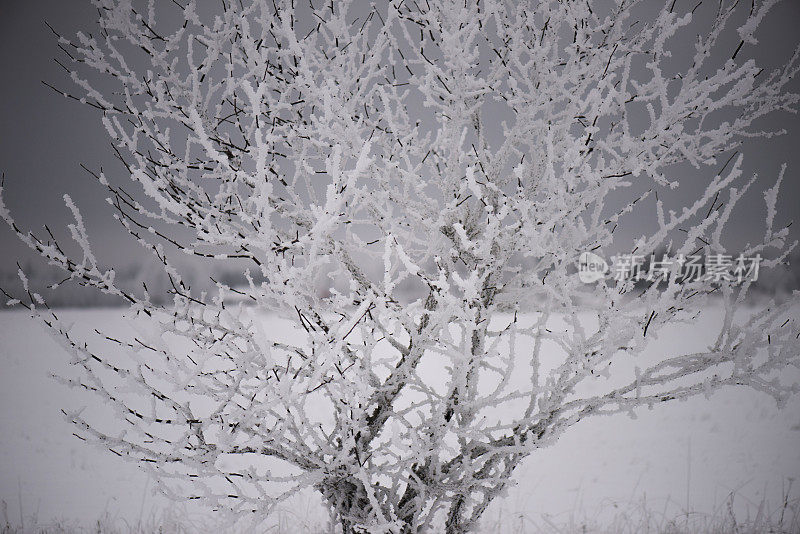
{"x":678,"y":458}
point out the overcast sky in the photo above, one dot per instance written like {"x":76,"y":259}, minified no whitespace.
{"x":45,"y":136}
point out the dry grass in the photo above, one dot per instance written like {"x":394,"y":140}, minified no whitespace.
{"x":641,"y":517}
{"x":631,"y":518}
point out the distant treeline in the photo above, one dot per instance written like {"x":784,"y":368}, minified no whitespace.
{"x":135,"y":277}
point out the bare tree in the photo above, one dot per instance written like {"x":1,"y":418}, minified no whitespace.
{"x":443,"y":165}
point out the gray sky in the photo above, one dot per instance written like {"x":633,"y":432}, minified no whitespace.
{"x":45,"y":136}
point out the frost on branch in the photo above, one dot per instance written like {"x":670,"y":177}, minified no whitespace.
{"x":442,"y":166}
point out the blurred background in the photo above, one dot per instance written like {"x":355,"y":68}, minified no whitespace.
{"x":45,"y":137}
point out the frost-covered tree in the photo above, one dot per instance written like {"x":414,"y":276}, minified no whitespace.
{"x":441,"y":166}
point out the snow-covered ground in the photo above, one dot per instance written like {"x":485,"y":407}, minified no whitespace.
{"x":680,"y":456}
